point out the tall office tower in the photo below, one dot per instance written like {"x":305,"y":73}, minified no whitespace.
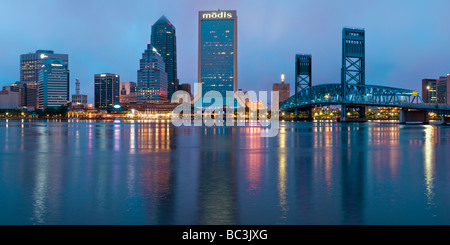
{"x":77,"y":98}
{"x":163,"y":38}
{"x":107,"y":89}
{"x":353,"y":62}
{"x":217,"y":51}
{"x":53,"y":84}
{"x":152,"y":78}
{"x":429,"y":90}
{"x":283,"y":90}
{"x":303,"y":72}
{"x":30,"y":65}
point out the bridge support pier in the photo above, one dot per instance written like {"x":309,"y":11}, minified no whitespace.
{"x":344,"y":117}
{"x":410,"y":116}
{"x":445,"y":120}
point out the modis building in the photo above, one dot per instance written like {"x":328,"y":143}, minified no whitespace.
{"x":217,"y":51}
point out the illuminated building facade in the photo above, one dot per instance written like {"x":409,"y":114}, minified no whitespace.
{"x":152,"y":78}
{"x":107,"y":88}
{"x":163,"y":39}
{"x":436,"y":90}
{"x":53,"y":84}
{"x":217,"y":51}
{"x":429,"y":90}
{"x":283,"y":90}
{"x":30,"y":66}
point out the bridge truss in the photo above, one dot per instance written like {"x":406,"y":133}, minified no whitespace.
{"x":360,"y":95}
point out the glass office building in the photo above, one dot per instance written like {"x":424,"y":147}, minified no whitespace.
{"x":107,"y":88}
{"x":152,"y":78}
{"x":163,"y":39}
{"x":30,"y":66}
{"x":217,"y":51}
{"x":53,"y":84}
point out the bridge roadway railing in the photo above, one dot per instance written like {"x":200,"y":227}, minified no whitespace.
{"x":360,"y":95}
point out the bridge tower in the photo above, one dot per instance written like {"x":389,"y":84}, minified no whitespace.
{"x":303,"y":76}
{"x":302,"y":72}
{"x":353,"y":64}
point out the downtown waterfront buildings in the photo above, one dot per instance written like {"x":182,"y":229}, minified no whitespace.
{"x":30,"y":66}
{"x":217,"y":51}
{"x":436,"y":90}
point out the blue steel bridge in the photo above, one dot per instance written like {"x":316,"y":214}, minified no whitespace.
{"x":358,"y":95}
{"x":353,"y":93}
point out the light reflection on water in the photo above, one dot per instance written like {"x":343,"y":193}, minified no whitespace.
{"x":135,"y":172}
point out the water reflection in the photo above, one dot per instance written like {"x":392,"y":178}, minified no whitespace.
{"x":282,"y":174}
{"x":217,"y":173}
{"x":353,"y":169}
{"x":138,"y":172}
{"x":428,"y":152}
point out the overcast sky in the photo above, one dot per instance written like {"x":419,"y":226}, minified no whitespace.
{"x":405,"y":40}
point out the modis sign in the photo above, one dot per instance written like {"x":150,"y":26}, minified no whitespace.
{"x":217,"y":15}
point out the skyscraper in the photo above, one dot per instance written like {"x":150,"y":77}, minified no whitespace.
{"x":53,"y":84}
{"x":163,"y":38}
{"x":107,"y":88}
{"x":152,"y":78}
{"x":217,"y":51}
{"x":30,"y":65}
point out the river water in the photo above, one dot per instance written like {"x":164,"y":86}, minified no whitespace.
{"x":138,"y":172}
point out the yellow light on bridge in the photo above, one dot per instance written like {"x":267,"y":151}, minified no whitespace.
{"x":415,"y":93}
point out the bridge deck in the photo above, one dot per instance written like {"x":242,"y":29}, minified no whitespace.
{"x":360,"y":95}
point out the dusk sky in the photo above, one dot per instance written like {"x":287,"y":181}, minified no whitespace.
{"x":406,"y":41}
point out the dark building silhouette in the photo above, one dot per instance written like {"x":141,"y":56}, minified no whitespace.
{"x":429,"y":90}
{"x":107,"y":88}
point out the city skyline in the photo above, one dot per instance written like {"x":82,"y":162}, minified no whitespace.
{"x":401,"y":48}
